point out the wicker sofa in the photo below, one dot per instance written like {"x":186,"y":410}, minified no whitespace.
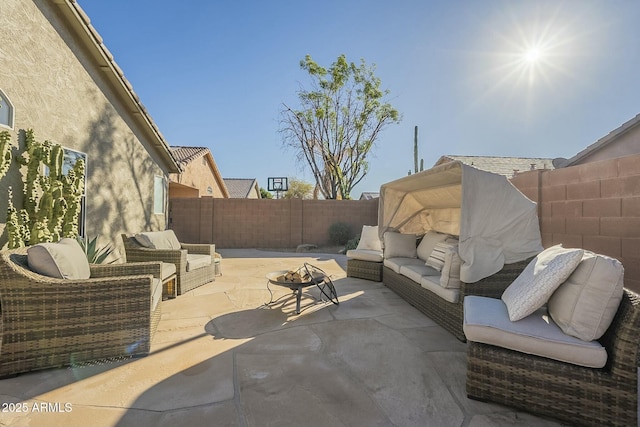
{"x":406,"y":272}
{"x":195,"y":265}
{"x":581,"y":368}
{"x":50,"y":322}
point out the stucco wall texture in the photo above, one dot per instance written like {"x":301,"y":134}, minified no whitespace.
{"x":57,"y":91}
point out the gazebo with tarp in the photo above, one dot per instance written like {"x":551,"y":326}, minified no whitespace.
{"x":495,"y":223}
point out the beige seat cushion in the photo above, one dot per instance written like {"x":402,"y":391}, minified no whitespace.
{"x":365,"y":255}
{"x":156,"y":293}
{"x":432,"y":283}
{"x":158,"y":239}
{"x":399,"y":245}
{"x":534,"y":286}
{"x":196,"y":261}
{"x":396,"y":263}
{"x":415,"y":272}
{"x":167,"y":269}
{"x":486,"y":321}
{"x":62,"y":260}
{"x":585,"y":304}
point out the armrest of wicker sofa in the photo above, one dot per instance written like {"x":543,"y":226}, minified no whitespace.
{"x":175,"y":256}
{"x":127,"y":269}
{"x":199,"y":248}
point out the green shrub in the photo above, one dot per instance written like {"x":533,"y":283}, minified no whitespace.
{"x":352,"y":244}
{"x":339,"y":233}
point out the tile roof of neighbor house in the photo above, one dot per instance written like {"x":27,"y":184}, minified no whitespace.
{"x":506,"y":166}
{"x":186,"y":155}
{"x":86,"y":35}
{"x":239,"y":188}
{"x":602,"y":142}
{"x":368,"y":195}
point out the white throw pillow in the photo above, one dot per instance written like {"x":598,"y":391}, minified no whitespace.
{"x":533,"y":287}
{"x":428,"y":242}
{"x":62,"y":260}
{"x":369,"y":239}
{"x":399,"y":245}
{"x":585,"y":304}
{"x":437,"y":258}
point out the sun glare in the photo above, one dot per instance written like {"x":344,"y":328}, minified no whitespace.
{"x":532,"y":55}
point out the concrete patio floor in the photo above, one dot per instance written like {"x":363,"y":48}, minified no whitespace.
{"x":221,"y":358}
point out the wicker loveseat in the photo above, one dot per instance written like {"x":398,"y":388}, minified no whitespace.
{"x":195,"y":264}
{"x":47,"y":322}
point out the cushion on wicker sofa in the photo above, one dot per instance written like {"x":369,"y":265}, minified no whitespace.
{"x":415,"y":272}
{"x":399,"y":245}
{"x":542,"y":276}
{"x":585,"y":304}
{"x":396,"y":263}
{"x":365,"y":255}
{"x":196,"y":261}
{"x":158,"y":239}
{"x":486,"y":320}
{"x":62,"y":260}
{"x":428,"y":243}
{"x":432,"y":283}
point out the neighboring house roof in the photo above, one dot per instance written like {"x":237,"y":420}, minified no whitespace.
{"x":506,"y":166}
{"x":186,"y":155}
{"x":87,"y":36}
{"x":240,"y":188}
{"x":368,"y":195}
{"x":602,"y":142}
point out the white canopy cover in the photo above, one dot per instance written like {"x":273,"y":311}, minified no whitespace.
{"x":496,"y":224}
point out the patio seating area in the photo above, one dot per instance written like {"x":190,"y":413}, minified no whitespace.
{"x":220,"y":357}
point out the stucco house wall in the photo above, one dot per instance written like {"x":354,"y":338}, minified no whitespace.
{"x":620,"y":142}
{"x":61,"y":90}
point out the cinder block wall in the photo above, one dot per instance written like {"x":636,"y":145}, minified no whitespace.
{"x":595,"y":206}
{"x":263,"y":223}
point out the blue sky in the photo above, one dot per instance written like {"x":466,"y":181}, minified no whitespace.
{"x":215,"y":73}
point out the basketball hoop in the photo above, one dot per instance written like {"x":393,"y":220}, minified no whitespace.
{"x":277,"y":184}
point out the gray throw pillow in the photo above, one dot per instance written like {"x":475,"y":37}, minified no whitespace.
{"x":62,"y":260}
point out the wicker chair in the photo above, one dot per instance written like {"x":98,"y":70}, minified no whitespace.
{"x":186,"y":280}
{"x":579,"y":395}
{"x":445,"y":313}
{"x":50,"y":323}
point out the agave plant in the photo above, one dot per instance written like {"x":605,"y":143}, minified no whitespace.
{"x":96,"y":254}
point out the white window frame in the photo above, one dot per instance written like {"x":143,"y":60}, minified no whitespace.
{"x":159,"y":195}
{"x":5,"y":102}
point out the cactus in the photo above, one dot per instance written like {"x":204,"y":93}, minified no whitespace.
{"x":51,"y":203}
{"x":415,"y":153}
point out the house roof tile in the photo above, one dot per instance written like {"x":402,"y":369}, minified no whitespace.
{"x":506,"y":166}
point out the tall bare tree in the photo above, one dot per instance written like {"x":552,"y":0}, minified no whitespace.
{"x":337,"y":123}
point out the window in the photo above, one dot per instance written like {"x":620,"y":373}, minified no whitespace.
{"x":159,"y":195}
{"x":6,"y":111}
{"x":68,"y":162}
